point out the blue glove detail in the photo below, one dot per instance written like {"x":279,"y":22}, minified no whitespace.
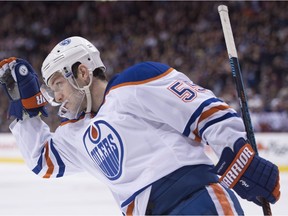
{"x":16,"y":109}
{"x":21,"y":84}
{"x":29,"y":88}
{"x":259,"y":179}
{"x":248,"y":174}
{"x":26,"y":78}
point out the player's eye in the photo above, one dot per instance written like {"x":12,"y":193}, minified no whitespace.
{"x":58,"y":86}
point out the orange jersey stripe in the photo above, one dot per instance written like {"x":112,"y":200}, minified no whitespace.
{"x":49,"y":162}
{"x":71,"y":121}
{"x":92,"y":114}
{"x":130,"y":209}
{"x":205,"y":115}
{"x":141,"y":82}
{"x":221,"y":196}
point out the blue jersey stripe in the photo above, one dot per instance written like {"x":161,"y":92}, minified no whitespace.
{"x":138,"y":72}
{"x":37,"y":169}
{"x":197,"y":113}
{"x":59,"y":161}
{"x":131,"y":198}
{"x":214,"y":121}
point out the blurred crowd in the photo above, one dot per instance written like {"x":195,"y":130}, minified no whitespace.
{"x":186,"y":35}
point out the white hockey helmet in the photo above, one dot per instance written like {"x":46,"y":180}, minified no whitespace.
{"x":69,"y":51}
{"x":61,"y":59}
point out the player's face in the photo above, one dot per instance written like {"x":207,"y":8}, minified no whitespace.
{"x":71,"y":100}
{"x":61,"y":88}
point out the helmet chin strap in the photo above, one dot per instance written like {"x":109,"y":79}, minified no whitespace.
{"x":87,"y":92}
{"x":89,"y":98}
{"x":85,"y":89}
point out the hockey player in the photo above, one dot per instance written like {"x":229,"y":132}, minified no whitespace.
{"x":142,"y":133}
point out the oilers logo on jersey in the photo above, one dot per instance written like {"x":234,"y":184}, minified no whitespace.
{"x":104,"y":146}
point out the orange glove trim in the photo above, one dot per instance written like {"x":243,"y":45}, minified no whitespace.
{"x":5,"y":61}
{"x":35,"y":101}
{"x":276,"y":192}
{"x":238,"y":166}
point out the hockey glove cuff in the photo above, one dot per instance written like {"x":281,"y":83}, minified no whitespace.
{"x":21,"y":84}
{"x":248,"y":174}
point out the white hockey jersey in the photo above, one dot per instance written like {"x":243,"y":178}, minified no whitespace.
{"x":153,"y":121}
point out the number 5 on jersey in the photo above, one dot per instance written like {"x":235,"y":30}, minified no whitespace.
{"x":185,"y":90}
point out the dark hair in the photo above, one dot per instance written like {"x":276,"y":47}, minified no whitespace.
{"x":98,"y":72}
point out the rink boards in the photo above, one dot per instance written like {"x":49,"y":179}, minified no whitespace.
{"x":272,"y":146}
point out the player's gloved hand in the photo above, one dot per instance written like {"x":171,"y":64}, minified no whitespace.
{"x":248,"y":174}
{"x":21,"y":84}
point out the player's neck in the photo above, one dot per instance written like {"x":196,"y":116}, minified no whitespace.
{"x":97,"y":93}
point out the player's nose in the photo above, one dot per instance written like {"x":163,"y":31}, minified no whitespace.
{"x":59,"y":97}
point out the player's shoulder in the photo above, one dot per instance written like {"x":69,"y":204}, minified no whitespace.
{"x":147,"y":67}
{"x":82,"y":117}
{"x":140,"y":73}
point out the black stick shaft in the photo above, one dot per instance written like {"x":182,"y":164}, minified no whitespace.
{"x":238,"y":80}
{"x":237,"y":76}
{"x":236,"y":72}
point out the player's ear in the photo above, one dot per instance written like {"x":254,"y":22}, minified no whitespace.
{"x":83,"y":73}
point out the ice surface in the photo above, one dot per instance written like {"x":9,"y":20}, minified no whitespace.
{"x":23,"y":193}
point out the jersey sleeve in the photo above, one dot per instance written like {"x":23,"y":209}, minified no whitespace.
{"x":47,"y":154}
{"x":190,"y":109}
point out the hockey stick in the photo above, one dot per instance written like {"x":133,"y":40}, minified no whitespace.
{"x":237,"y":77}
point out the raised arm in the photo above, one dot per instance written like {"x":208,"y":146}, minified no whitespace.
{"x":47,"y":154}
